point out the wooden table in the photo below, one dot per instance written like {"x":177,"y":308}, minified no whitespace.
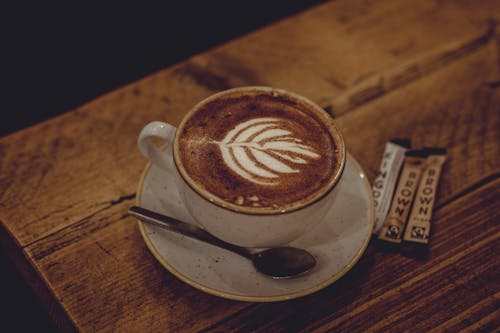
{"x":428,"y":70}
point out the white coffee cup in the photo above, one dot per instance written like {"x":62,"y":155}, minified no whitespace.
{"x":242,"y":227}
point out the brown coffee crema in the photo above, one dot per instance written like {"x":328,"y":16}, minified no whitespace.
{"x":261,"y":150}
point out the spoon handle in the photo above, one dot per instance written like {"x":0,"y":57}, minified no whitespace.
{"x":185,"y":229}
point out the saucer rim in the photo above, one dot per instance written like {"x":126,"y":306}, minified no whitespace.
{"x":264,"y":299}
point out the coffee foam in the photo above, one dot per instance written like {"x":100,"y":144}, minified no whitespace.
{"x":262,"y":150}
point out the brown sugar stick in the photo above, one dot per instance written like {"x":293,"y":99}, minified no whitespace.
{"x":394,"y":223}
{"x":419,"y":223}
{"x":385,"y":183}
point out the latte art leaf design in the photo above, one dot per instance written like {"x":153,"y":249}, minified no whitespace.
{"x":261,"y":151}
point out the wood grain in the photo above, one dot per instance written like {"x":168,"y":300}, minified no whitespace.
{"x":428,"y":70}
{"x":140,"y":292}
{"x":454,"y":107}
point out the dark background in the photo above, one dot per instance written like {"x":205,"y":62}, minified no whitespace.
{"x":58,"y":58}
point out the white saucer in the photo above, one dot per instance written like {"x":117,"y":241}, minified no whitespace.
{"x":337,"y":243}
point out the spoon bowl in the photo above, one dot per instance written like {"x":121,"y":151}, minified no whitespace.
{"x":283,"y":262}
{"x":278,"y":263}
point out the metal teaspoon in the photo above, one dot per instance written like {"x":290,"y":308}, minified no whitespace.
{"x":279,"y":262}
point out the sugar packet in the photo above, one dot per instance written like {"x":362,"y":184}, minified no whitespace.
{"x":419,"y":223}
{"x":395,"y":221}
{"x":385,"y":183}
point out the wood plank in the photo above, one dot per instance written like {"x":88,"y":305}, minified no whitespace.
{"x":332,"y":48}
{"x":398,"y":293}
{"x":103,"y":275}
{"x":454,"y":107}
{"x":57,"y":173}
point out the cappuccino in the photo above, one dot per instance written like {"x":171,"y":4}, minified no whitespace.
{"x":259,"y":150}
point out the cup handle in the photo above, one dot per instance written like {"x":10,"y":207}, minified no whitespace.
{"x":163,"y":159}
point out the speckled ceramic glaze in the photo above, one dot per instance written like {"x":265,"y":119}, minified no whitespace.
{"x":337,"y":242}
